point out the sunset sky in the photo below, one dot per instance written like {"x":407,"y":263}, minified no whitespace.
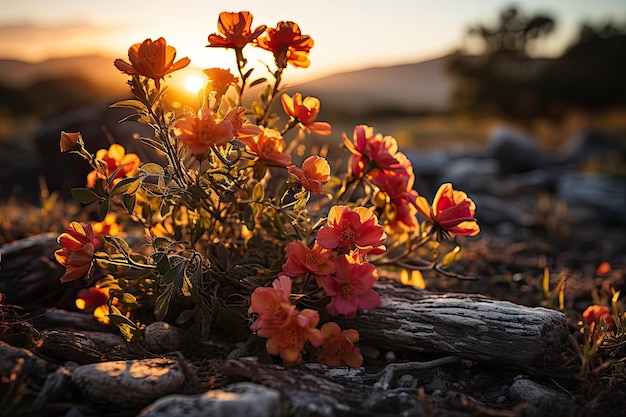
{"x":348,"y":34}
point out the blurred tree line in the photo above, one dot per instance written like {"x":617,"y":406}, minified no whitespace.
{"x":506,"y":81}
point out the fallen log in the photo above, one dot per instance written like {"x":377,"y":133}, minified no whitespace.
{"x":469,"y":326}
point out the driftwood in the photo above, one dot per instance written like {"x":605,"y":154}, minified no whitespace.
{"x":466,"y":325}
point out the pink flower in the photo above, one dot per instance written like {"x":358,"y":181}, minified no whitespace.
{"x":78,"y":249}
{"x":314,"y":174}
{"x":301,"y":260}
{"x":451,"y":212}
{"x":273,"y":306}
{"x":338,"y":348}
{"x":350,"y":288}
{"x":305,"y":112}
{"x":372,"y":151}
{"x":289,"y":340}
{"x":347,"y":229}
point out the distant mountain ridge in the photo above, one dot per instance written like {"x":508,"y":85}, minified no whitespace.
{"x":423,"y":86}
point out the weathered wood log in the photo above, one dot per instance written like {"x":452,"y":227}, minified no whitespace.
{"x":470,"y":326}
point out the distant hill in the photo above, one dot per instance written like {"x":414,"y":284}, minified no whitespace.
{"x":97,"y":70}
{"x":423,"y":86}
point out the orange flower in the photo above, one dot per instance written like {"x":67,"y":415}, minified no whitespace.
{"x":114,"y":160}
{"x":78,"y":249}
{"x":287,"y":44}
{"x":220,"y":80}
{"x":304,"y":112}
{"x":451,"y":212}
{"x":269,"y":146}
{"x":314,"y":174}
{"x":302,"y":260}
{"x":348,"y":229}
{"x":595,"y":314}
{"x":151,"y":59}
{"x":71,"y":142}
{"x":202,"y":132}
{"x":338,"y":348}
{"x":289,"y":340}
{"x":107,"y":227}
{"x":235,"y":30}
{"x":350,"y":287}
{"x":400,"y":206}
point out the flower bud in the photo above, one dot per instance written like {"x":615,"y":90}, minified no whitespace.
{"x":71,"y":142}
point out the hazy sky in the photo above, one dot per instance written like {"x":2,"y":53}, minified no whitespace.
{"x":348,"y":34}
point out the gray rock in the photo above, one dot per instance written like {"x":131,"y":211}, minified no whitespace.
{"x":540,"y":400}
{"x":240,"y":399}
{"x":592,"y":197}
{"x":471,"y":174}
{"x":162,"y":337}
{"x":515,"y":151}
{"x":590,"y":145}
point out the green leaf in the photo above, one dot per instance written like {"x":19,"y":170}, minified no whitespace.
{"x":172,"y":274}
{"x":84,"y":195}
{"x":126,"y":186}
{"x":152,"y":168}
{"x":185,"y":316}
{"x":258,"y":193}
{"x":162,"y":303}
{"x":104,"y":208}
{"x":248,"y":217}
{"x":129,"y":201}
{"x":129,"y":104}
{"x":258,"y":81}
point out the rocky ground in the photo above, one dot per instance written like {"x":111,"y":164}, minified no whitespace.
{"x":541,"y":213}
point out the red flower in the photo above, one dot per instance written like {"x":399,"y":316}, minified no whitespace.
{"x":273,"y":306}
{"x":287,"y":44}
{"x":235,"y":31}
{"x":151,"y":59}
{"x":595,"y":314}
{"x":350,"y":287}
{"x":89,"y":299}
{"x":348,"y":229}
{"x":314,"y":174}
{"x":269,"y":146}
{"x":302,"y":260}
{"x":451,"y":212}
{"x":338,"y":348}
{"x":78,"y":249}
{"x":373,"y":151}
{"x":305,"y":112}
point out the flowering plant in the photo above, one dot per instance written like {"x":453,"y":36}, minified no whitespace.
{"x":243,"y":237}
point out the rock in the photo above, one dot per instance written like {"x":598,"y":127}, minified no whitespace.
{"x":129,"y":383}
{"x":240,"y":399}
{"x":14,"y":360}
{"x":593,"y":197}
{"x":591,"y":146}
{"x":540,"y":400}
{"x":162,"y":337}
{"x":515,"y":151}
{"x":471,"y":175}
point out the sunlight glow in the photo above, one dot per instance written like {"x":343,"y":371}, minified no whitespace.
{"x":194,"y":83}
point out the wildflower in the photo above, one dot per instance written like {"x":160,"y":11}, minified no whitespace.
{"x":595,"y":314}
{"x":305,"y":112}
{"x":78,"y":249}
{"x":400,"y":206}
{"x":200,"y":133}
{"x":287,"y":44}
{"x":350,"y":287}
{"x":302,"y":260}
{"x":88,"y":299}
{"x":347,"y":228}
{"x":451,"y":212}
{"x":235,"y":31}
{"x":116,"y":161}
{"x":152,"y":60}
{"x":373,"y":151}
{"x":289,"y":340}
{"x":220,"y":80}
{"x":71,"y":142}
{"x":273,"y":306}
{"x":314,"y":173}
{"x":107,"y":227}
{"x":338,"y":348}
{"x":269,"y":146}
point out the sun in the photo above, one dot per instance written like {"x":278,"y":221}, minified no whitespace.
{"x":194,"y":83}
